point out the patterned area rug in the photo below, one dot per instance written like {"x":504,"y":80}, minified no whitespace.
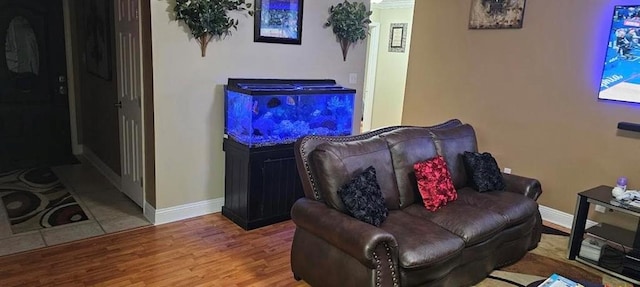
{"x":35,"y":199}
{"x":549,"y":257}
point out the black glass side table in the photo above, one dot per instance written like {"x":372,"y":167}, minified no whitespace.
{"x":614,"y":235}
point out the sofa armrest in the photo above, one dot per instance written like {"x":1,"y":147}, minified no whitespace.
{"x":529,"y":187}
{"x":352,"y":236}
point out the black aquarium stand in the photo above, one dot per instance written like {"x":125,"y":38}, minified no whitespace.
{"x":261,"y":184}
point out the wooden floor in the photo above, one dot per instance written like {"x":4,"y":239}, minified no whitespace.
{"x":203,"y":251}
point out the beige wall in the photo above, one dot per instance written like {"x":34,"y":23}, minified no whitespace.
{"x":530,"y":93}
{"x":188,"y":95}
{"x":391,"y":70}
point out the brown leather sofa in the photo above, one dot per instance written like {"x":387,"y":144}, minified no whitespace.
{"x":457,"y":245}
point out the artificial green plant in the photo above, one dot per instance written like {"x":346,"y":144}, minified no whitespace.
{"x":350,"y":23}
{"x":208,"y":19}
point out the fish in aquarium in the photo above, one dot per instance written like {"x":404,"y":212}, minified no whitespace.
{"x":291,"y":101}
{"x":255,"y":108}
{"x":274,"y":102}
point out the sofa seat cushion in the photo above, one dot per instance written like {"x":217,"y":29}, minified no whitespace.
{"x":421,"y":243}
{"x":513,"y":207}
{"x":472,"y":224}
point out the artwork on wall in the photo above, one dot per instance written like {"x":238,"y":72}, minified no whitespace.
{"x":398,"y":37}
{"x":496,"y":14}
{"x":97,"y":37}
{"x":278,"y":21}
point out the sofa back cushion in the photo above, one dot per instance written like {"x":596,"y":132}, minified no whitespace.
{"x":336,"y":163}
{"x":451,"y":144}
{"x":409,"y":146}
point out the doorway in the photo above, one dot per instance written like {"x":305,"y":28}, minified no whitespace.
{"x":387,"y":63}
{"x":370,"y":75}
{"x":58,"y":86}
{"x":107,"y":72}
{"x":34,"y":107}
{"x":106,"y":37}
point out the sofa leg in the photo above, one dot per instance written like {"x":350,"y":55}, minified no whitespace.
{"x":296,"y":277}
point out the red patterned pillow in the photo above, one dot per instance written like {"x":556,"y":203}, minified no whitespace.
{"x":434,"y":183}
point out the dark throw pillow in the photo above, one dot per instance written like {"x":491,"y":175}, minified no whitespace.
{"x":434,"y":183}
{"x":363,"y":199}
{"x":484,"y":173}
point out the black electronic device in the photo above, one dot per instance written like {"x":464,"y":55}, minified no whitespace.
{"x":629,"y":126}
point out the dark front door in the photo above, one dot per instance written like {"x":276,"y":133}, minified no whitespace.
{"x":34,"y":108}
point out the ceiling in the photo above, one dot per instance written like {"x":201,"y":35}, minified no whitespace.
{"x":389,"y":4}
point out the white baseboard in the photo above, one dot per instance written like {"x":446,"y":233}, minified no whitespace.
{"x":180,"y":212}
{"x":77,"y":149}
{"x":149,"y":212}
{"x":560,"y":218}
{"x":103,"y":168}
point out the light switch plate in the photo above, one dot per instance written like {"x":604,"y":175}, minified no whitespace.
{"x":353,"y":78}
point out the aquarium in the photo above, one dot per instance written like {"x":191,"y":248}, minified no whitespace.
{"x":271,"y":112}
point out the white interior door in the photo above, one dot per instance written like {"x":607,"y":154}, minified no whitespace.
{"x":129,"y":95}
{"x":370,"y":75}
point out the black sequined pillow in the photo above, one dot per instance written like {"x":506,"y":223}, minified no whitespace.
{"x":483,"y":171}
{"x":363,"y":199}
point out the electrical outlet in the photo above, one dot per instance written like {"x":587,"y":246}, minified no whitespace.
{"x":600,"y":208}
{"x":507,"y":170}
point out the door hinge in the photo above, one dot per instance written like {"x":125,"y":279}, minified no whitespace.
{"x":141,"y":182}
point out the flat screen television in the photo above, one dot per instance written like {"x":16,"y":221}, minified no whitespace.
{"x":621,"y":74}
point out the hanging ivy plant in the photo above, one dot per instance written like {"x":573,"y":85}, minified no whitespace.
{"x":208,"y":19}
{"x":350,"y":23}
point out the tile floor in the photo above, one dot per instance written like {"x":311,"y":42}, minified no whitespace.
{"x":108,"y":210}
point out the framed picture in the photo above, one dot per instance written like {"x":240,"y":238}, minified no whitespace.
{"x":97,"y":37}
{"x":496,"y":14}
{"x":398,"y":37}
{"x":278,"y":21}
